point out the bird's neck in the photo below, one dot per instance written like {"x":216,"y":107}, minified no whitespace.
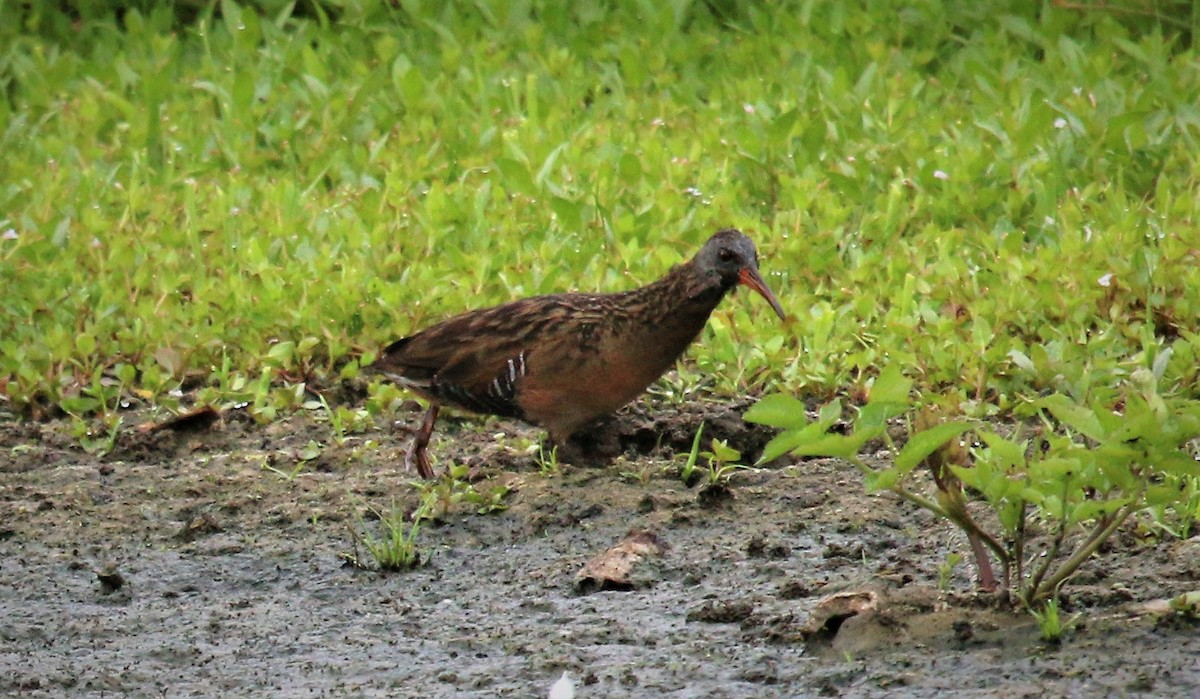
{"x":673,"y":311}
{"x":683,"y":292}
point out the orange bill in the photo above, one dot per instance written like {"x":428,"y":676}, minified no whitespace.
{"x":751,"y":278}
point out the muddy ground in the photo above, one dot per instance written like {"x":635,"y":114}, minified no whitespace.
{"x":196,"y":563}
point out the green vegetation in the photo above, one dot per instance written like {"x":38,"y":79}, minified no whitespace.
{"x":688,"y":472}
{"x":1001,"y":198}
{"x":547,"y":460}
{"x":1051,"y":625}
{"x":721,"y":462}
{"x":396,"y":549}
{"x":1186,"y":604}
{"x":455,"y":487}
{"x":1056,"y":491}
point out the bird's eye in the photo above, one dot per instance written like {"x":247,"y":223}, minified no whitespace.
{"x":725,"y":254}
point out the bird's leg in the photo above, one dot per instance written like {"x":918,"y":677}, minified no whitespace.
{"x":417,"y":458}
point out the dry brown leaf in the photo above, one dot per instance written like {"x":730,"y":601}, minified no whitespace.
{"x":612,"y":569}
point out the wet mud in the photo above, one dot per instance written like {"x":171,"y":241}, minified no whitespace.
{"x":212,"y":561}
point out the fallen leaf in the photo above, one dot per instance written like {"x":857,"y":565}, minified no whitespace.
{"x":612,"y":569}
{"x":835,"y":609}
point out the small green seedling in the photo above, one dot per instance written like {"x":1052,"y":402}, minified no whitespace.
{"x":722,"y":462}
{"x":946,"y":570}
{"x":454,"y":487}
{"x":547,"y":460}
{"x":687,"y":472}
{"x":397,"y":549}
{"x":342,"y":420}
{"x":97,"y":437}
{"x":310,"y":451}
{"x":1187,"y":604}
{"x":102,"y":396}
{"x":1051,"y":624}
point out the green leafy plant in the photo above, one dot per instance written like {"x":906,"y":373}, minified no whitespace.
{"x":396,"y":549}
{"x":1051,"y":625}
{"x":721,"y":462}
{"x":300,"y":460}
{"x":343,"y":421}
{"x":1177,"y":517}
{"x":454,"y":487}
{"x":1078,"y":474}
{"x":1186,"y":604}
{"x":101,"y":397}
{"x":688,"y":472}
{"x":547,"y":460}
{"x":946,"y":570}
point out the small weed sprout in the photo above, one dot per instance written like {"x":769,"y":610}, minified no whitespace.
{"x":547,"y":460}
{"x":310,"y":451}
{"x":454,"y":487}
{"x":946,"y":570}
{"x":397,"y":549}
{"x":1051,"y":624}
{"x":342,"y":420}
{"x":720,"y":458}
{"x":722,"y":462}
{"x":102,"y":396}
{"x":1186,"y":604}
{"x":687,"y":472}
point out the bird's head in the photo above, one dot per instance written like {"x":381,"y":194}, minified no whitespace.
{"x":729,"y":258}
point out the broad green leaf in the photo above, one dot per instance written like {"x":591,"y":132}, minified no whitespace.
{"x":1054,"y":469}
{"x":831,"y":413}
{"x":515,"y":176}
{"x":891,"y":386}
{"x":1114,"y":461}
{"x":1163,"y":495}
{"x":79,"y":405}
{"x":1021,"y":360}
{"x":777,"y":410}
{"x":876,"y":414}
{"x":1079,"y":418}
{"x":1007,"y":453}
{"x":281,"y":353}
{"x":884,"y":479}
{"x":724,"y":453}
{"x":922,"y":444}
{"x":787,"y":441}
{"x":863,"y":434}
{"x":1009,"y":513}
{"x":1094,"y":509}
{"x":1178,"y":464}
{"x":834,"y":445}
{"x":978,"y":476}
{"x":1161,"y":360}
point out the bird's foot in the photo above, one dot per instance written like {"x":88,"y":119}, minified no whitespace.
{"x":417,"y":457}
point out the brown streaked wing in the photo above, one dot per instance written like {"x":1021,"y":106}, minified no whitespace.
{"x":468,"y":357}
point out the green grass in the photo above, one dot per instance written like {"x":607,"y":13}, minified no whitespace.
{"x":1001,"y":198}
{"x":396,"y":548}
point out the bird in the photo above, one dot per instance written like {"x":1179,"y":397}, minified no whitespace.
{"x":562,"y":360}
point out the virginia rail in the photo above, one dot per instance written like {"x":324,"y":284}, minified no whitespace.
{"x":560,"y":361}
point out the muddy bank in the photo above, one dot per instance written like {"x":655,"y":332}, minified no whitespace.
{"x":210,"y":562}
